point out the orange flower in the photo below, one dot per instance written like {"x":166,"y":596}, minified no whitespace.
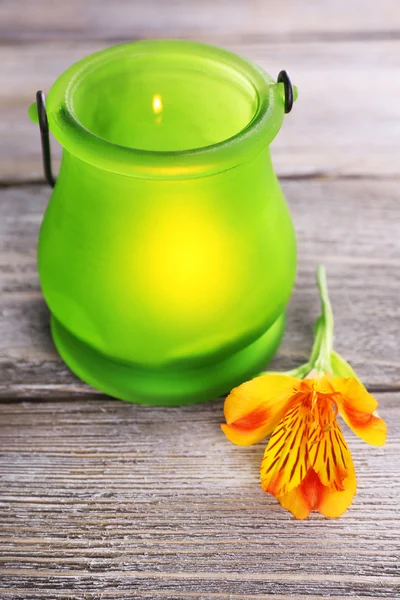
{"x":307,"y":464}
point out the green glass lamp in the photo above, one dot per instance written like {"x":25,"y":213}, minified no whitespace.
{"x":167,"y":253}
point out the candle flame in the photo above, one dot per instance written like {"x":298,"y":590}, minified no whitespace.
{"x":157,"y":104}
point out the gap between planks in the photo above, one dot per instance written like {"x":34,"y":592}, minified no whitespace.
{"x":305,"y":37}
{"x":70,"y":396}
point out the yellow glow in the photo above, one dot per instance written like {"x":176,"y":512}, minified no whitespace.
{"x":157,"y":104}
{"x":187,"y":253}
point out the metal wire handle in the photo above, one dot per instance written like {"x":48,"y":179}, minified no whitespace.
{"x":44,"y":137}
{"x":284,"y":78}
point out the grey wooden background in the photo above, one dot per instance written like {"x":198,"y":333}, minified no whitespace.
{"x":100,"y":499}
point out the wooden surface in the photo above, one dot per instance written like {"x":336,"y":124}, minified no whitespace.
{"x":101,"y":499}
{"x":128,"y":501}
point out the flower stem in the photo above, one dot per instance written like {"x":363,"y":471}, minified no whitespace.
{"x":318,"y":339}
{"x":322,"y":350}
{"x":324,"y":327}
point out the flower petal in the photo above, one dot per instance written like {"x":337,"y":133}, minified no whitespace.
{"x":311,"y":494}
{"x":328,"y":452}
{"x":334,"y":503}
{"x":254,"y":408}
{"x":357,"y":406}
{"x":285,"y":462}
{"x":297,"y":501}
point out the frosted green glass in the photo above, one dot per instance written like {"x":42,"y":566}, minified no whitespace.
{"x":167,"y":253}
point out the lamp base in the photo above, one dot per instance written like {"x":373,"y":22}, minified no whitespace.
{"x":166,"y":387}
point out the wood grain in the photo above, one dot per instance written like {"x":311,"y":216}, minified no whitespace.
{"x":102,"y":499}
{"x":350,"y":225}
{"x":345,"y":122}
{"x":227,"y":19}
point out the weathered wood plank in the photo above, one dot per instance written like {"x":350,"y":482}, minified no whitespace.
{"x":350,"y":225}
{"x":102,"y":499}
{"x":124,"y":19}
{"x":345,"y":121}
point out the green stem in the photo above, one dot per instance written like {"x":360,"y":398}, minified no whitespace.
{"x":298,"y":372}
{"x":322,"y":360}
{"x":318,"y":340}
{"x":320,"y":357}
{"x":304,"y":369}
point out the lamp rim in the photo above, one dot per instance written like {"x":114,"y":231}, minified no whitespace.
{"x":221,"y":156}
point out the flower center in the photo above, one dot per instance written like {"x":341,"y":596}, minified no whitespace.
{"x":322,"y":413}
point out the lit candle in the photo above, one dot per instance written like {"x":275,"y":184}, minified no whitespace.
{"x":167,"y":253}
{"x":157,"y":104}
